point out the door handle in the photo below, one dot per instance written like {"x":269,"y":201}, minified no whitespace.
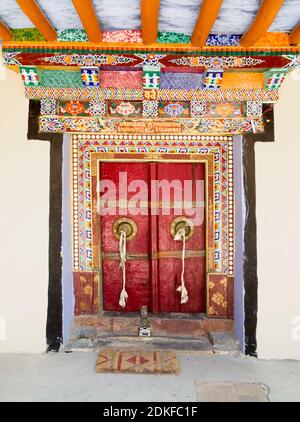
{"x":185,"y":223}
{"x":125,"y":224}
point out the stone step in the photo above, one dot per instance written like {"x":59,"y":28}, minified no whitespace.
{"x":224,"y":342}
{"x":176,"y":325}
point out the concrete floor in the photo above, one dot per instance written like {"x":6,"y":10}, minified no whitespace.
{"x":72,"y":377}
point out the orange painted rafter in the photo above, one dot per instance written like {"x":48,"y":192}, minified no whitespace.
{"x":5,"y":33}
{"x":38,"y":18}
{"x":295,"y":35}
{"x":89,"y":20}
{"x":263,"y":20}
{"x":149,"y":17}
{"x":207,"y":16}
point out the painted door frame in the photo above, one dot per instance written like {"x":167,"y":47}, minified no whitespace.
{"x":95,"y":279}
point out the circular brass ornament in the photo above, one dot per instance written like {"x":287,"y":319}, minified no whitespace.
{"x":127,"y":224}
{"x":182,"y":223}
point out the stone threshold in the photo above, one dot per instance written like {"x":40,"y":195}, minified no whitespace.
{"x":178,"y":325}
{"x":212,"y":343}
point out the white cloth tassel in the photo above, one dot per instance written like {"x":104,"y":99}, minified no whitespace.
{"x":122,"y":252}
{"x":180,"y":235}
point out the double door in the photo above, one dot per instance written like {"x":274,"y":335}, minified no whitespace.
{"x":151,"y":202}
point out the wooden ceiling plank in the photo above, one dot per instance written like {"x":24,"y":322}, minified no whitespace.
{"x":208,"y":14}
{"x":5,"y":33}
{"x":38,"y":18}
{"x":149,"y":18}
{"x":295,"y":35}
{"x":265,"y":16}
{"x":89,"y":20}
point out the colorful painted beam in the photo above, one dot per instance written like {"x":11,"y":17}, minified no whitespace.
{"x":263,"y":20}
{"x":149,"y":17}
{"x":89,"y":20}
{"x":5,"y":33}
{"x":38,"y":18}
{"x":295,"y":35}
{"x":207,"y":16}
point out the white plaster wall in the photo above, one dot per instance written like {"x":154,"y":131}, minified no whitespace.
{"x":278,"y":230}
{"x":24,"y":208}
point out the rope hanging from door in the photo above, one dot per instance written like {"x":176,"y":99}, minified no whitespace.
{"x":180,"y":235}
{"x":122,"y":252}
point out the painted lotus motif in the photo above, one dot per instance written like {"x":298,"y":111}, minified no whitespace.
{"x":124,"y":108}
{"x":176,"y":109}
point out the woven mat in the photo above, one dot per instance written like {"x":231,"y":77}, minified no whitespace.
{"x":137,"y":362}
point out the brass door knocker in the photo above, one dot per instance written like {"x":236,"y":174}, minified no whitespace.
{"x":185,"y":223}
{"x":125,"y":224}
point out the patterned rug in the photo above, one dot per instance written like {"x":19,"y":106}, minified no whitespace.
{"x":137,"y":362}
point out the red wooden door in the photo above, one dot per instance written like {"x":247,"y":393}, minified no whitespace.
{"x":169,"y":250}
{"x":138,"y":264}
{"x":153,"y":266}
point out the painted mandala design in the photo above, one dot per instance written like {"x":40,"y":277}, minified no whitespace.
{"x":97,"y":108}
{"x":150,"y":108}
{"x":198,"y":108}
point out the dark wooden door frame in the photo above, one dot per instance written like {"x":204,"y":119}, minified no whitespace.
{"x":250,"y":229}
{"x":54,"y":311}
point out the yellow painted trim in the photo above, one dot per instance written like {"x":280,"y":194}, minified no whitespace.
{"x":263,"y":20}
{"x":89,"y":20}
{"x":38,"y":18}
{"x":208,"y":14}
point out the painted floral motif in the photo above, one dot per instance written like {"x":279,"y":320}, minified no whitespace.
{"x":179,"y":109}
{"x":27,"y":34}
{"x":181,"y":80}
{"x":121,"y":79}
{"x":124,"y":109}
{"x":223,"y":39}
{"x":218,"y":298}
{"x":224,"y":61}
{"x":224,"y":109}
{"x":74,"y":108}
{"x":72,"y":35}
{"x":124,"y":36}
{"x":88,"y":59}
{"x":173,"y":38}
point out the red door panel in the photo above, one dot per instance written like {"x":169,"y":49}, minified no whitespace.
{"x":169,"y":269}
{"x":137,"y":267}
